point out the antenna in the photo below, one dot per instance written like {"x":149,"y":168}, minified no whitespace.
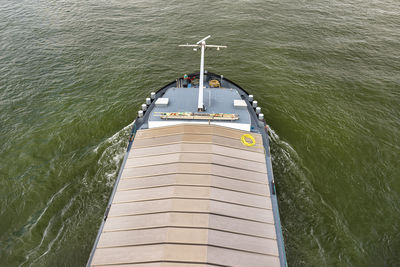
{"x":205,"y":38}
{"x":202,"y":44}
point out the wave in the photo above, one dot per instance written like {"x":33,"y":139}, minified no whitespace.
{"x":112,"y":152}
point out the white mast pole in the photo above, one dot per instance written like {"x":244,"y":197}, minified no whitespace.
{"x":200,"y":103}
{"x":202,"y":44}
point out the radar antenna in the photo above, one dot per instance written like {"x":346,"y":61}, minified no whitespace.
{"x":202,"y":44}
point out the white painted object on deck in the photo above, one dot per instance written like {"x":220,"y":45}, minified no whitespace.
{"x":233,"y":125}
{"x":238,"y":103}
{"x":162,"y":102}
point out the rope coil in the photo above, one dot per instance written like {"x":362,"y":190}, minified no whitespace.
{"x":214,"y":83}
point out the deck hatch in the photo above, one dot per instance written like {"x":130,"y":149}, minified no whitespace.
{"x":182,"y":204}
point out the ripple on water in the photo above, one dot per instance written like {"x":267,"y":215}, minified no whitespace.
{"x":326,"y":74}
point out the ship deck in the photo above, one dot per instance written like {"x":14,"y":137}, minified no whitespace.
{"x":190,"y":195}
{"x":218,"y":100}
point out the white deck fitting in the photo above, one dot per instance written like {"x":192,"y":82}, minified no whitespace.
{"x":238,"y":126}
{"x":239,"y":103}
{"x":162,"y":102}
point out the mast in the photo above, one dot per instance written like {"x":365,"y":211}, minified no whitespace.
{"x":200,"y":102}
{"x":202,"y":45}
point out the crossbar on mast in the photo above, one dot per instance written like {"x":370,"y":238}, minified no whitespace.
{"x":202,"y":44}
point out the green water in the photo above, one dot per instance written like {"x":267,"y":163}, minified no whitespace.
{"x":326,"y":74}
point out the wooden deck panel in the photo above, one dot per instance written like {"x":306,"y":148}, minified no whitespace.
{"x":195,"y":129}
{"x":228,"y":257}
{"x":153,"y":236}
{"x":196,"y":139}
{"x":193,"y":192}
{"x":195,"y":168}
{"x":157,"y":220}
{"x":191,"y":196}
{"x":191,"y":220}
{"x":195,"y":149}
{"x":242,"y":226}
{"x":183,"y":254}
{"x":174,"y":235}
{"x":191,"y":205}
{"x":149,"y":253}
{"x":194,"y":180}
{"x":196,"y":158}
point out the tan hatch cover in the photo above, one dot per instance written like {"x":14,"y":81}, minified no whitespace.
{"x":191,"y":195}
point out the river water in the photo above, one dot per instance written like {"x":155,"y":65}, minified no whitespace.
{"x":325,"y":72}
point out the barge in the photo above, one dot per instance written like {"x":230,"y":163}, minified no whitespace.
{"x":196,"y":186}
